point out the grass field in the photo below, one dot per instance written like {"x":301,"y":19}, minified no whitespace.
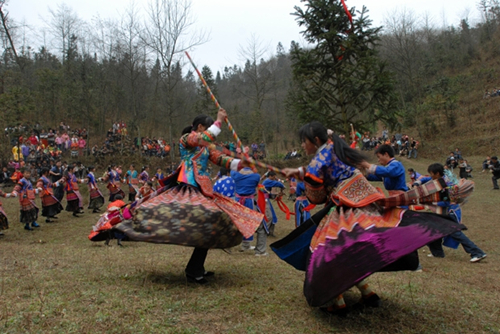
{"x":54,"y":280}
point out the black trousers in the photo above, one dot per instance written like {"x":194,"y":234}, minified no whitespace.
{"x":495,"y":183}
{"x":195,"y":267}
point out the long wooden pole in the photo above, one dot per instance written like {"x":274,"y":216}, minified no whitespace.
{"x":229,"y":125}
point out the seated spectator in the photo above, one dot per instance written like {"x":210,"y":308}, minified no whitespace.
{"x":5,"y":176}
{"x":485,"y":164}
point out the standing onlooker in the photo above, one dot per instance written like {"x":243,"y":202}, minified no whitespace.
{"x":50,"y":137}
{"x":413,"y":149}
{"x":495,"y":169}
{"x":465,"y":169}
{"x":66,"y":141}
{"x":59,"y":141}
{"x":262,"y":149}
{"x":34,"y":139}
{"x":81,"y":145}
{"x":366,"y":142}
{"x":385,"y":134}
{"x":25,"y":150}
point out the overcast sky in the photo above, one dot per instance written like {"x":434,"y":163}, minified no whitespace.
{"x":231,"y":23}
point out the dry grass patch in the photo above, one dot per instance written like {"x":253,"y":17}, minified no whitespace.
{"x":53,"y":280}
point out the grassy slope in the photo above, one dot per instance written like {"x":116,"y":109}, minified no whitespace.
{"x":54,"y":280}
{"x":477,"y":120}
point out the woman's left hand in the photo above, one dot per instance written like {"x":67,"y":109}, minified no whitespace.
{"x":364,"y":165}
{"x":291,"y":172}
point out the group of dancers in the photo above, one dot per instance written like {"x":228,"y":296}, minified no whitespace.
{"x":358,"y":230}
{"x":51,"y":187}
{"x":54,"y":183}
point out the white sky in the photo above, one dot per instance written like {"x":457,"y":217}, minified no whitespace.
{"x":231,"y":23}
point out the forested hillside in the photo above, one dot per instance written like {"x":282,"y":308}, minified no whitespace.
{"x":134,"y":69}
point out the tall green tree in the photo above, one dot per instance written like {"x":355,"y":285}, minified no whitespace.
{"x":205,"y":105}
{"x":340,"y":79}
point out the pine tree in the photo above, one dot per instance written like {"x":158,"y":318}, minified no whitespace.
{"x":340,"y":80}
{"x":205,"y":105}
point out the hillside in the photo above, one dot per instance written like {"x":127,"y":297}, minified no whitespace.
{"x":477,"y":120}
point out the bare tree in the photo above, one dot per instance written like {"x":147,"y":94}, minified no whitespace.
{"x":168,"y":33}
{"x":134,"y":58}
{"x":104,"y":37}
{"x":257,"y":75}
{"x":7,"y":31}
{"x":402,"y":46}
{"x":63,"y":24}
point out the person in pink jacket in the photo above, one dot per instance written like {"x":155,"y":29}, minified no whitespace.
{"x":81,"y":145}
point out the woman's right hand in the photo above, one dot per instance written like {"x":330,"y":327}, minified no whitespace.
{"x":221,"y":115}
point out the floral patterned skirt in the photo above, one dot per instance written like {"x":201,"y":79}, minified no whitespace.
{"x":182,"y":215}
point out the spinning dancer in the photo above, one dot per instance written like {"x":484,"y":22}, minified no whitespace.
{"x":359,"y":231}
{"x":186,"y":211}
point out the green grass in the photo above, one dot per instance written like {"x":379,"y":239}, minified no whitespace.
{"x":54,"y":280}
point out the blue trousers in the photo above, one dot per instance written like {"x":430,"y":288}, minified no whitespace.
{"x":470,"y":248}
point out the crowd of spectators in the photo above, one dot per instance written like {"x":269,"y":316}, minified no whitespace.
{"x":494,"y":92}
{"x":32,"y":144}
{"x":405,"y":145}
{"x":258,"y":150}
{"x":402,"y":144}
{"x":369,"y":143}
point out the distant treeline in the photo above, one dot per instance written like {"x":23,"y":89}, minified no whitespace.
{"x":134,"y":69}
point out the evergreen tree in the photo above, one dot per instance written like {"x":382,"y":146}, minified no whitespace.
{"x":205,"y":105}
{"x":340,"y":80}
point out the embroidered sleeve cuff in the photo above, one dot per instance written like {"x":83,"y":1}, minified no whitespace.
{"x":235,"y":164}
{"x":372,"y":169}
{"x":301,"y":173}
{"x":214,"y":129}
